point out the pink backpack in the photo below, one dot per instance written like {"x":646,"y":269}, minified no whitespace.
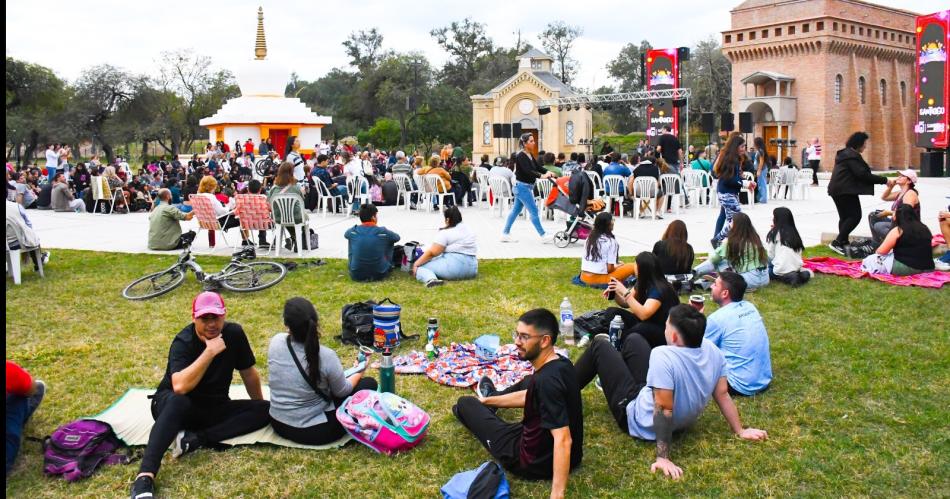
{"x":382,"y":421}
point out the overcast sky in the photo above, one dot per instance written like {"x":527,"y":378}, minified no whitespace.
{"x":306,"y":35}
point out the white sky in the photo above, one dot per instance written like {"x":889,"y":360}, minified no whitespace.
{"x":306,"y":35}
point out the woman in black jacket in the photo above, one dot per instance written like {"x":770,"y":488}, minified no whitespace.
{"x":850,"y":178}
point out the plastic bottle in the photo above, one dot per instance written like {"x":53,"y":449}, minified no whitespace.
{"x":616,"y":328}
{"x":432,"y":338}
{"x":567,"y":322}
{"x":387,"y":373}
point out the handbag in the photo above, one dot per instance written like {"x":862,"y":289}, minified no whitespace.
{"x":303,"y":373}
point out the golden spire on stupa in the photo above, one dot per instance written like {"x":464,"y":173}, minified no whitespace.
{"x":260,"y":48}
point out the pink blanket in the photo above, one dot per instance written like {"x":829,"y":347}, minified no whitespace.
{"x":852,"y":269}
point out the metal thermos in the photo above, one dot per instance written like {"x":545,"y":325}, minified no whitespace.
{"x":387,"y":373}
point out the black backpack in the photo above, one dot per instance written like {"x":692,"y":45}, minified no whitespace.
{"x":357,"y":322}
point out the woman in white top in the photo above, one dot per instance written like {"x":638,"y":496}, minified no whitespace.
{"x":784,"y":247}
{"x":207,"y":188}
{"x":601,"y":255}
{"x":451,"y":256}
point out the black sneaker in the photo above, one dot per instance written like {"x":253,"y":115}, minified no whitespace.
{"x":435,"y":282}
{"x":265,"y":245}
{"x":839,"y":248}
{"x":485,"y":387}
{"x":143,"y":488}
{"x":185,"y":443}
{"x":714,"y":242}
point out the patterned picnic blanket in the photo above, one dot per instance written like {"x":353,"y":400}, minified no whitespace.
{"x":852,"y":269}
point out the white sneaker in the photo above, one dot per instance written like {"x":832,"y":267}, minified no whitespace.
{"x":506,"y":238}
{"x":938,"y":265}
{"x":547,"y":238}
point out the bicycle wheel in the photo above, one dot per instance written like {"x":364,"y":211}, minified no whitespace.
{"x":253,"y":276}
{"x":155,"y":284}
{"x":261,"y":167}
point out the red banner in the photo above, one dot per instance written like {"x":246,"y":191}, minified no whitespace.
{"x":663,"y":73}
{"x":933,"y":80}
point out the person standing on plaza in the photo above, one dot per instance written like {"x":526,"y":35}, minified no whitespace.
{"x":850,"y":178}
{"x":52,"y":160}
{"x":728,"y":169}
{"x":527,"y":171}
{"x":761,"y":162}
{"x":294,"y":157}
{"x":670,"y":148}
{"x":813,"y":153}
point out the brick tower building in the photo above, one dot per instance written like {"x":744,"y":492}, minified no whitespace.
{"x":825,"y":68}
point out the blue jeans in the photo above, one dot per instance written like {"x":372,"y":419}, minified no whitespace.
{"x":762,"y":187}
{"x":19,"y":410}
{"x":945,"y":258}
{"x":720,"y":221}
{"x":51,"y":172}
{"x":730,"y":206}
{"x":753,"y":278}
{"x":524,"y":199}
{"x":448,"y":267}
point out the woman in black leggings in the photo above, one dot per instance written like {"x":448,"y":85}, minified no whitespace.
{"x":647,"y":304}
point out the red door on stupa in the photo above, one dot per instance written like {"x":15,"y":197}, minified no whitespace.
{"x":278,"y":137}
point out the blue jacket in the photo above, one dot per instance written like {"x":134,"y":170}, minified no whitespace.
{"x":371,"y":251}
{"x":730,"y":185}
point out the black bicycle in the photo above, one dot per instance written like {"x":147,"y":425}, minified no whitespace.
{"x":266,"y":167}
{"x":239,"y":275}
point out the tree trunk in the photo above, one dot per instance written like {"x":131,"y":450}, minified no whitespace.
{"x":31,"y":147}
{"x":144,"y":151}
{"x":107,"y":149}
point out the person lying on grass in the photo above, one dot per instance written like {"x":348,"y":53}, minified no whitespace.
{"x":191,"y":406}
{"x":651,"y":394}
{"x":549,"y":440}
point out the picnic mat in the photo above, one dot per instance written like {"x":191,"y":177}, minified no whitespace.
{"x":852,"y":269}
{"x":458,"y":365}
{"x":131,"y":418}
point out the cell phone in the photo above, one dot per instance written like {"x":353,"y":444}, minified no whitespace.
{"x":611,"y":295}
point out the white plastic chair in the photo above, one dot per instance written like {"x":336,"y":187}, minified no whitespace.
{"x":614,"y":190}
{"x":361,"y":190}
{"x":544,"y":186}
{"x":406,"y":191}
{"x":750,"y":193}
{"x":598,"y":183}
{"x":436,"y":188}
{"x":803,"y":181}
{"x":481,"y":186}
{"x":424,"y":199}
{"x":645,"y":190}
{"x":673,"y":189}
{"x":15,"y":250}
{"x":327,"y":199}
{"x":501,"y":193}
{"x":284,"y":208}
{"x":693,"y":183}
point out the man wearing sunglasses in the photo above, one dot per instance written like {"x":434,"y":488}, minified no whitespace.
{"x":548,"y":442}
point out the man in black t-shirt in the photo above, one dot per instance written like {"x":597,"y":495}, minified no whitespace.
{"x":191,"y":406}
{"x":549,"y":441}
{"x":670,"y":148}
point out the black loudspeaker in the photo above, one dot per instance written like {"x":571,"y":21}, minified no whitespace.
{"x":516,"y":130}
{"x":745,"y":122}
{"x":931,"y":164}
{"x":679,"y":102}
{"x":544,"y":110}
{"x":683,"y":53}
{"x":727,"y":122}
{"x":709,"y":122}
{"x":496,"y":131}
{"x":505,"y":130}
{"x":643,"y":70}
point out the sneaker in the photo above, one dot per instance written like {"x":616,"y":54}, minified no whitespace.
{"x":265,"y":245}
{"x":714,"y":242}
{"x":506,"y":238}
{"x":838,"y":248}
{"x":940,"y":265}
{"x":45,"y":257}
{"x":597,"y":383}
{"x":805,"y":275}
{"x":34,"y":400}
{"x":547,"y":238}
{"x":143,"y":487}
{"x":288,"y":244}
{"x":604,"y":336}
{"x":185,"y":443}
{"x":485,"y":387}
{"x":435,"y":282}
{"x":583,"y":341}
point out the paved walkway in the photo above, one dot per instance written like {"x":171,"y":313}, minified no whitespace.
{"x":129,"y":233}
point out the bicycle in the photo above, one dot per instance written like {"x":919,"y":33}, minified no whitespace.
{"x":266,"y":166}
{"x":238,"y":275}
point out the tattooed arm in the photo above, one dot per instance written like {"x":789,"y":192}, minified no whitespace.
{"x":663,"y":428}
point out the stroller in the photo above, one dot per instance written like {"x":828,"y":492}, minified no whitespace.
{"x":570,"y":195}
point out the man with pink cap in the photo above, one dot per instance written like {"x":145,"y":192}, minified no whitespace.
{"x":191,"y":406}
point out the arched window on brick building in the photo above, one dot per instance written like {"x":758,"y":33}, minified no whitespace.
{"x":903,"y":94}
{"x":883,"y":92}
{"x":861,"y":89}
{"x":838,"y":88}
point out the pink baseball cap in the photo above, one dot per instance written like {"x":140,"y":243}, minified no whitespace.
{"x":911,"y":174}
{"x":208,"y":302}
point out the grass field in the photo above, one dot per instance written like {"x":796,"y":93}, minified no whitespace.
{"x":858,"y":406}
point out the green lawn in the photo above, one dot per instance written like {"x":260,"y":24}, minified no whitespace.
{"x":858,"y":406}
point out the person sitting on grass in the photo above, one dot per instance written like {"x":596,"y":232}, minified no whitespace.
{"x":24,"y":395}
{"x":451,"y":256}
{"x":646,"y":305}
{"x":601,"y":262}
{"x":742,"y":252}
{"x":164,"y":227}
{"x":191,"y":405}
{"x":943,"y":263}
{"x":549,"y":441}
{"x":906,"y":249}
{"x":652,"y":393}
{"x":370,"y":247}
{"x":881,"y":221}
{"x":737,"y":329}
{"x":306,"y":379}
{"x":673,"y":251}
{"x":784,"y":247}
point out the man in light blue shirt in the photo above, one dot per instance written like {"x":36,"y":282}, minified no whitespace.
{"x":616,"y":168}
{"x":651,"y":394}
{"x":737,"y":329}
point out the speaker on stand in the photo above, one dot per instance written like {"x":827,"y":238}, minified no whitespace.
{"x":727,"y":122}
{"x":745,"y":123}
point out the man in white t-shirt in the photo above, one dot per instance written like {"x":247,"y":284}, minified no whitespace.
{"x":813,"y":153}
{"x":651,"y":394}
{"x":451,"y":256}
{"x":324,"y":148}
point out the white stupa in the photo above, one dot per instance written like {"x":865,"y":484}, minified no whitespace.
{"x":262,"y":111}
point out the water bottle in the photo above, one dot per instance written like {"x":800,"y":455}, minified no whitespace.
{"x":387,"y":373}
{"x":432,"y":337}
{"x":567,"y":322}
{"x":616,"y":328}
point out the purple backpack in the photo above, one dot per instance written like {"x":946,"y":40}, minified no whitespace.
{"x":76,"y":449}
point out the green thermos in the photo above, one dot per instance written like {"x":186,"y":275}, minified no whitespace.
{"x":387,"y":373}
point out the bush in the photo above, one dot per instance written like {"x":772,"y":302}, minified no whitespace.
{"x":384,"y":134}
